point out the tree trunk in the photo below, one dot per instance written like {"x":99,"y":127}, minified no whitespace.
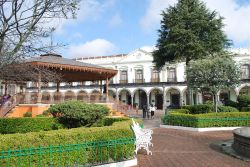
{"x":215,"y":102}
{"x":189,"y":91}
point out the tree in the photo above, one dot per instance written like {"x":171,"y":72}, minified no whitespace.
{"x":189,"y":31}
{"x":24,"y":27}
{"x":24,"y":24}
{"x":214,"y":75}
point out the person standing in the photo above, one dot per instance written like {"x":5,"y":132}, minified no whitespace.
{"x":153,"y":109}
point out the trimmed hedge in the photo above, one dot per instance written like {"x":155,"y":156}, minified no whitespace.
{"x":227,"y":109}
{"x":199,"y":109}
{"x":24,"y":125}
{"x":224,"y":119}
{"x":75,"y":114}
{"x":71,"y":136}
{"x":245,"y":109}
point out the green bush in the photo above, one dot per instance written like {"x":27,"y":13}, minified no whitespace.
{"x":24,"y":125}
{"x":199,"y":109}
{"x":231,"y":103}
{"x":27,"y":114}
{"x":75,"y":113}
{"x":224,"y":119}
{"x":70,"y":136}
{"x":244,"y":100}
{"x":245,"y":109}
{"x":184,"y":111}
{"x":227,"y":109}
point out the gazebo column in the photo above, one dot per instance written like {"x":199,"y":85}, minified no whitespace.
{"x":39,"y":97}
{"x":57,"y":86}
{"x":5,"y":88}
{"x":107,"y":88}
{"x":101,"y":87}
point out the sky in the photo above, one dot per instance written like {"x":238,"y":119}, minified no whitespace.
{"x":109,"y":27}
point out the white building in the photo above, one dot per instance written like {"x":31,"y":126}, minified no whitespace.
{"x":139,"y":83}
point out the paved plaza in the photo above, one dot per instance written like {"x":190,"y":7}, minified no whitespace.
{"x":178,"y":148}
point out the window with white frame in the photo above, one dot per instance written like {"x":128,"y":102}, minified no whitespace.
{"x":245,"y":71}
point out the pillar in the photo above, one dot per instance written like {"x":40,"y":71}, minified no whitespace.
{"x":57,"y":86}
{"x":147,"y":100}
{"x":181,"y":98}
{"x":5,"y":88}
{"x":164,"y":99}
{"x":132,"y":101}
{"x":101,"y":87}
{"x":107,"y":88}
{"x":39,"y":97}
{"x":116,"y":95}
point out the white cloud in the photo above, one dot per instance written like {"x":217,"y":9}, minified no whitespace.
{"x":90,"y":10}
{"x":152,"y":17}
{"x":116,"y":20}
{"x":237,"y":17}
{"x":97,"y":47}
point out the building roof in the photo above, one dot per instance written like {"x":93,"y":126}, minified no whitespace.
{"x":58,"y":59}
{"x":72,"y":71}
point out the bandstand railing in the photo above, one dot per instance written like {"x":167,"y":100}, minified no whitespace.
{"x":58,"y":97}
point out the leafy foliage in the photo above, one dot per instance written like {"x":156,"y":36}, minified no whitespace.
{"x":27,"y":114}
{"x":244,"y":100}
{"x":213,"y":75}
{"x":75,"y":113}
{"x":24,"y":125}
{"x":226,"y":119}
{"x":199,"y":109}
{"x":189,"y":31}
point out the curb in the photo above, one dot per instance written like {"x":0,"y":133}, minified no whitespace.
{"x":132,"y":162}
{"x":198,"y":129}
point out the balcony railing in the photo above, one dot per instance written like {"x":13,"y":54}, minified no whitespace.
{"x":139,"y":80}
{"x":154,"y":80}
{"x":123,"y":81}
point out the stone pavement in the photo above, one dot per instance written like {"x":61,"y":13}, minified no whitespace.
{"x":177,"y":148}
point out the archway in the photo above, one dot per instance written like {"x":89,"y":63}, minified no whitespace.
{"x":46,"y":97}
{"x":140,"y":98}
{"x":69,"y":95}
{"x":156,"y":98}
{"x":125,"y":96}
{"x":82,"y":96}
{"x":111,"y":94}
{"x":57,"y":97}
{"x":245,"y":90}
{"x":173,"y":98}
{"x":95,"y":96}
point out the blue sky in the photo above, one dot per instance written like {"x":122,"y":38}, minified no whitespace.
{"x":106,"y":27}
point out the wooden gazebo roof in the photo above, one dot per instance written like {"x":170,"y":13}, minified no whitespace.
{"x":71,"y":70}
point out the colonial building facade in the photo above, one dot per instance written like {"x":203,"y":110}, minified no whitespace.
{"x":138,"y":82}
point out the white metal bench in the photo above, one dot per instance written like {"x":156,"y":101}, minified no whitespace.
{"x":143,"y":137}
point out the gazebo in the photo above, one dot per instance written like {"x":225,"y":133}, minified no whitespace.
{"x":71,"y":71}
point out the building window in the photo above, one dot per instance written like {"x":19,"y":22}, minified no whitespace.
{"x":139,"y":76}
{"x":245,"y":71}
{"x":155,"y":76}
{"x":124,"y":77}
{"x":171,"y":75}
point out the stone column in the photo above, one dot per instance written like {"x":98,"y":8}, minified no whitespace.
{"x":164,"y":99}
{"x":147,"y":99}
{"x":116,"y":95}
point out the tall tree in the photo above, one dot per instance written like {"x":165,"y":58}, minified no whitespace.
{"x":213,"y":75}
{"x":189,"y":31}
{"x":25,"y":23}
